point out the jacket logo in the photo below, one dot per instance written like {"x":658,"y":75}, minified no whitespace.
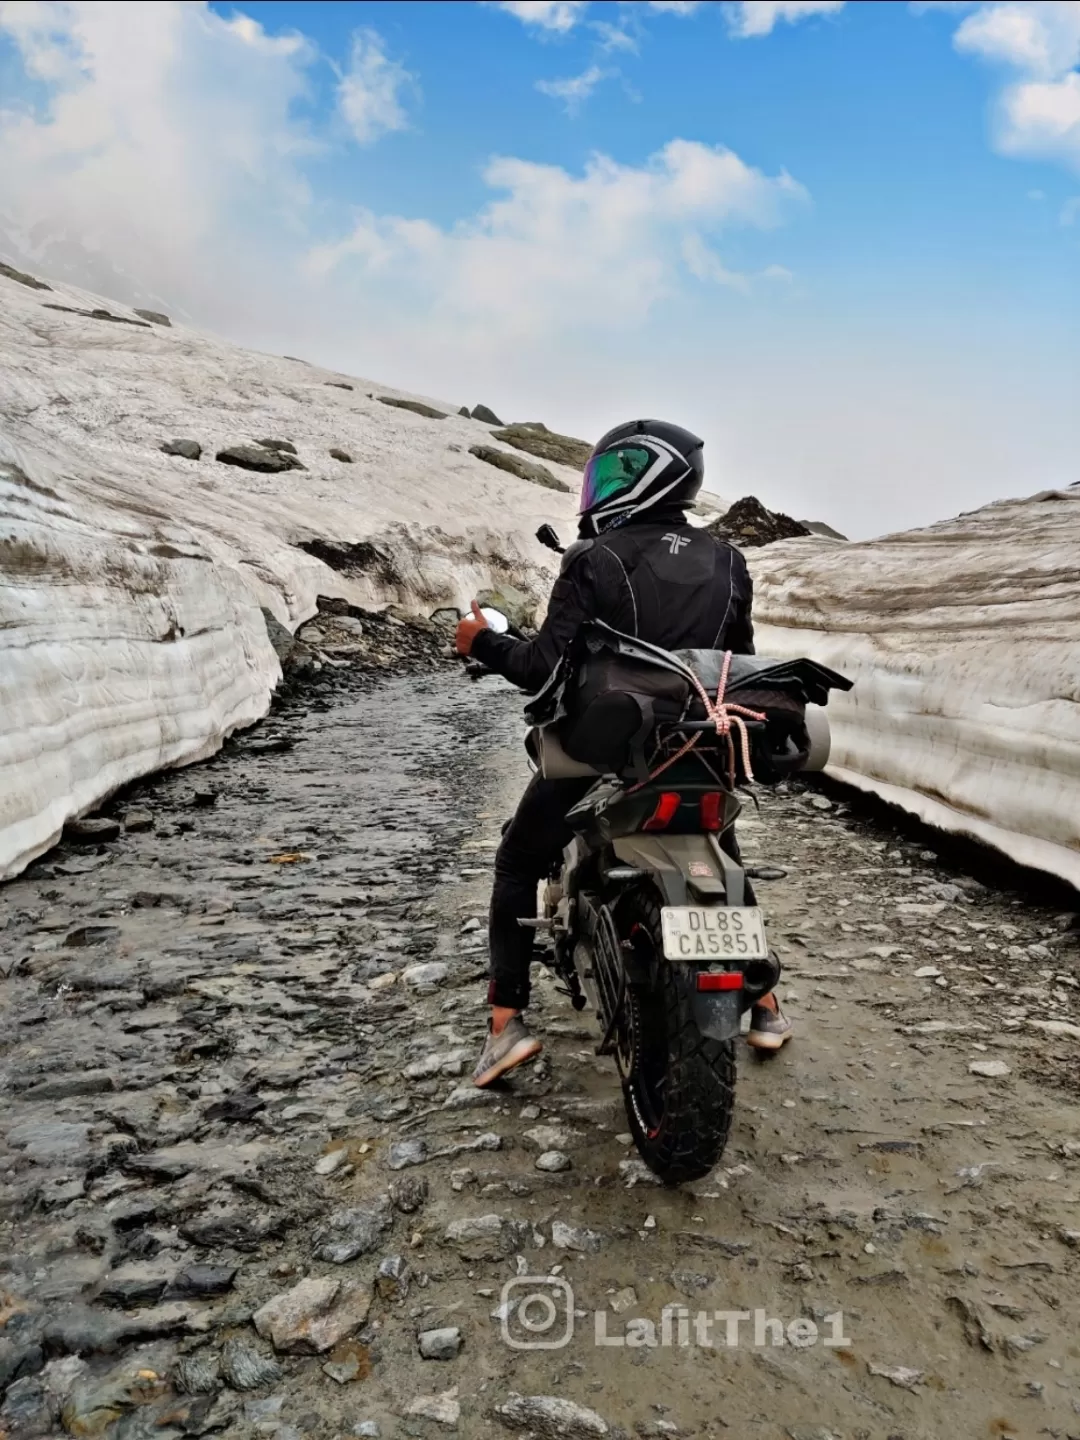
{"x":675,"y":542}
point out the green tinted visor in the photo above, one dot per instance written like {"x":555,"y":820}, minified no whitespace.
{"x":612,"y":473}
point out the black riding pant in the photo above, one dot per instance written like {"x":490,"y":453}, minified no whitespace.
{"x":533,"y":842}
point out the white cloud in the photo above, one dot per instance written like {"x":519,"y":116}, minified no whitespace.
{"x":369,"y":94}
{"x":704,"y":264}
{"x":1039,"y":114}
{"x":1041,"y":119}
{"x":557,"y":15}
{"x":1070,"y":211}
{"x":675,"y":7}
{"x":556,"y":250}
{"x":575,"y":89}
{"x":163,"y":126}
{"x":748,"y":18}
{"x":615,"y":37}
{"x":1041,"y":37}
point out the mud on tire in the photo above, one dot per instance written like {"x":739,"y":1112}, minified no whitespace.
{"x":680,"y":1092}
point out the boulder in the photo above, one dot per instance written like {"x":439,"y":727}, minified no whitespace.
{"x":187,"y":449}
{"x":536,"y":440}
{"x":486,"y":416}
{"x":336,"y":453}
{"x":523,"y":469}
{"x":748,"y":523}
{"x":416,"y":406}
{"x":257,"y":457}
{"x":156,"y":317}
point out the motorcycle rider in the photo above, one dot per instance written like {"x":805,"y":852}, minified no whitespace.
{"x":640,"y":567}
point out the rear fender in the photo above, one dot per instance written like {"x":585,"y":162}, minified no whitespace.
{"x":687,"y":869}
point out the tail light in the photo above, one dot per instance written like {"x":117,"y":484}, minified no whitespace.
{"x":712,"y":810}
{"x":664,"y":813}
{"x":720,"y":980}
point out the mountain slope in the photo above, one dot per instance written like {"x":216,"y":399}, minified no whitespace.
{"x":131,"y":581}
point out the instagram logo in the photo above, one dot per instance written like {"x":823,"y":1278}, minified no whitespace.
{"x":536,"y":1312}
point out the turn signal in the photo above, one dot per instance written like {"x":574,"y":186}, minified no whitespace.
{"x":720,"y":980}
{"x":664,"y":813}
{"x":712,"y":810}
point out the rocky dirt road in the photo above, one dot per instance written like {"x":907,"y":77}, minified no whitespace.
{"x":248,"y":1190}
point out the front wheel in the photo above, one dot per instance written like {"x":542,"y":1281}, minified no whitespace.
{"x":680,"y":1088}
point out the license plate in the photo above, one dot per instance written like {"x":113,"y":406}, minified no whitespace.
{"x":699,"y":932}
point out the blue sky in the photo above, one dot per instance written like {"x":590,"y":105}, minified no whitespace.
{"x":842,"y":241}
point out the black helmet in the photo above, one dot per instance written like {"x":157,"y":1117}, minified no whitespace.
{"x":637,"y":466}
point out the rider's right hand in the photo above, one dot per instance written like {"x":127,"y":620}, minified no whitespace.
{"x":468,"y":629}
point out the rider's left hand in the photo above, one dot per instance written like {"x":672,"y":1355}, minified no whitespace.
{"x":468,"y":629}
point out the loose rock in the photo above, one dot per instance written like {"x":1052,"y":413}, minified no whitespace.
{"x":404,"y":1153}
{"x":443,"y":1344}
{"x":549,"y":1137}
{"x":350,"y":1233}
{"x":336,"y":453}
{"x":186,"y":449}
{"x":551,"y":1417}
{"x":255,"y":457}
{"x":314,"y":1315}
{"x":409,"y":1193}
{"x":245,"y":1367}
{"x":92,"y":830}
{"x":989,"y":1069}
{"x":392,"y":1278}
{"x":425,"y":977}
{"x":538,"y":440}
{"x":553,"y":1161}
{"x":416,"y":406}
{"x":444,"y":1409}
{"x":575,"y":1237}
{"x":900,"y":1375}
{"x":515,"y":465}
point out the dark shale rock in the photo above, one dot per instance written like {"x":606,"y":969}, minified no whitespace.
{"x":523,"y":469}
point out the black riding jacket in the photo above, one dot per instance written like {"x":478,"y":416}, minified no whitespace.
{"x":658,"y":578}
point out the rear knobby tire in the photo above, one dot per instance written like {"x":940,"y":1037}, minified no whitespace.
{"x":680,"y":1092}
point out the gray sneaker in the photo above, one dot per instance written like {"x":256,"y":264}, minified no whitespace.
{"x":769,"y":1029}
{"x":512,"y":1046}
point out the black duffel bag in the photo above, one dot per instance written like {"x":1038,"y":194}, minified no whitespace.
{"x":612,"y":695}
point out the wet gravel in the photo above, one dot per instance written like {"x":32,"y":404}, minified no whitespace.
{"x":247,"y":1190}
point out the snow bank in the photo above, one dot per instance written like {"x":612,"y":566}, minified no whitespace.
{"x":963,"y":640}
{"x":131,"y":581}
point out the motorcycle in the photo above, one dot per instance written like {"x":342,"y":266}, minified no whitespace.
{"x":650,"y":921}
